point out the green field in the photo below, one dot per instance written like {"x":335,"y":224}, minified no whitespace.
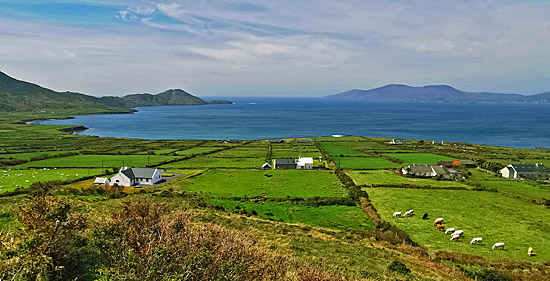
{"x":489,"y":215}
{"x":333,"y":217}
{"x":363,"y":163}
{"x":97,"y":161}
{"x":381,"y":177}
{"x":217,"y":162}
{"x":11,"y":179}
{"x":29,"y":155}
{"x":526,"y":189}
{"x":419,"y":158}
{"x":340,"y":149}
{"x":197,"y":150}
{"x":243,"y":152}
{"x":282,"y":183}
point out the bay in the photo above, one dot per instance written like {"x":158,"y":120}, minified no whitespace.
{"x":513,"y":125}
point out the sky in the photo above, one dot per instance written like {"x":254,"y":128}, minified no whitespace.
{"x":281,"y":48}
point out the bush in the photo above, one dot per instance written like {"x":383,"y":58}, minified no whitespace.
{"x":399,"y":267}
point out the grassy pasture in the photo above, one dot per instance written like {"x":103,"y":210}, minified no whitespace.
{"x":419,"y":158}
{"x":333,"y":217}
{"x":217,"y":162}
{"x":197,"y":150}
{"x":363,"y":163}
{"x":527,"y":189}
{"x":243,"y":152}
{"x":340,"y":139}
{"x":283,"y":183}
{"x":336,"y":149}
{"x":494,"y":217}
{"x":10,"y":179}
{"x":29,"y":155}
{"x":381,"y":177}
{"x":95,"y":161}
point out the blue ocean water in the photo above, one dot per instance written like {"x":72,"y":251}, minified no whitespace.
{"x":514,"y":125}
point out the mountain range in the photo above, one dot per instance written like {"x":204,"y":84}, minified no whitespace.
{"x":17,"y":95}
{"x":436,"y":93}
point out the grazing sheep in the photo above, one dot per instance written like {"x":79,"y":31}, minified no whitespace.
{"x":453,"y":237}
{"x":425,"y":216}
{"x":530,"y":251}
{"x":397,"y":214}
{"x":498,"y":245}
{"x":449,"y":230}
{"x":458,"y":232}
{"x":438,"y":221}
{"x":408,"y":213}
{"x":440,"y":227}
{"x":476,"y":240}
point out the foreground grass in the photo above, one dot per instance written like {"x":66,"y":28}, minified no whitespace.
{"x":332,"y":217}
{"x":494,"y":217}
{"x":239,"y":183}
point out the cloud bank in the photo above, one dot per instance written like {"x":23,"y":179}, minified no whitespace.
{"x":277,"y":48}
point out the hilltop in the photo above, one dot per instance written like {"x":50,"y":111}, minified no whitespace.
{"x":435,"y":93}
{"x":20,"y":96}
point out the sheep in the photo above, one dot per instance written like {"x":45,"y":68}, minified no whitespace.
{"x":438,"y":221}
{"x":498,"y":245}
{"x":440,"y":227}
{"x":408,"y":213}
{"x":453,"y":237}
{"x":477,"y":240}
{"x":425,"y":216}
{"x":397,"y":214}
{"x":458,"y":232}
{"x":449,"y":230}
{"x":530,"y":251}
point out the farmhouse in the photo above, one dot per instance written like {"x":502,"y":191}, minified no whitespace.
{"x":266,"y":166}
{"x":398,"y":141}
{"x":284,"y":164}
{"x":434,"y":142}
{"x":135,"y":176}
{"x":426,"y":171}
{"x":526,"y":171}
{"x":304,"y":163}
{"x":303,"y":141}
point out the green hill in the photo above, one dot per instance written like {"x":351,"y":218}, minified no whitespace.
{"x":21,"y":96}
{"x":16,"y":95}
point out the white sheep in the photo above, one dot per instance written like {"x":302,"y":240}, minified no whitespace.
{"x":498,"y":245}
{"x":453,"y":237}
{"x":397,"y":214}
{"x":458,"y":232}
{"x":476,"y":240}
{"x":449,"y":230}
{"x":408,"y":213}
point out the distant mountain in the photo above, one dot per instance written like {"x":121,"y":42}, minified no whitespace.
{"x":17,"y":95}
{"x":435,"y":93}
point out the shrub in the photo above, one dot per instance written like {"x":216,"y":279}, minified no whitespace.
{"x":399,"y":267}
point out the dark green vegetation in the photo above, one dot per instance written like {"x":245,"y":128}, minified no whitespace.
{"x":21,"y":96}
{"x":225,"y":219}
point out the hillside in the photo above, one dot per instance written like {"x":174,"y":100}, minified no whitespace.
{"x":16,"y":95}
{"x":435,"y":93}
{"x":21,"y":96}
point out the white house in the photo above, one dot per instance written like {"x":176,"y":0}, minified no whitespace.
{"x":101,"y":181}
{"x":398,"y":141}
{"x":525,"y":171}
{"x":304,"y":163}
{"x":135,"y":176}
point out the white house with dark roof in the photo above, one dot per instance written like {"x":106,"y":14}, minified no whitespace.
{"x":525,"y":171}
{"x":101,"y":181}
{"x":136,"y":176}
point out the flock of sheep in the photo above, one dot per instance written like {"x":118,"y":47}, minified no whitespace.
{"x":455,"y":234}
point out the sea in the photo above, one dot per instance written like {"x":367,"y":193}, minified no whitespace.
{"x":519,"y":125}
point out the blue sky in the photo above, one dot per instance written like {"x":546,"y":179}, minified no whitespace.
{"x":275,"y":48}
